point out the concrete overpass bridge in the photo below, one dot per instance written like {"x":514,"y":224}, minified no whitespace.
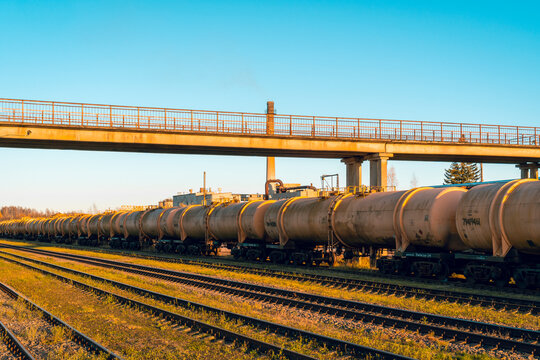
{"x":78,"y":126}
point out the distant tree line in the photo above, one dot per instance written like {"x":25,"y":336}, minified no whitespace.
{"x":17,"y":212}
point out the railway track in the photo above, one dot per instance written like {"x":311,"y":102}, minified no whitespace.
{"x":453,"y":329}
{"x":452,"y":281}
{"x":376,"y":287}
{"x":84,"y":341}
{"x":489,"y":301}
{"x":345,"y":347}
{"x":13,"y":344}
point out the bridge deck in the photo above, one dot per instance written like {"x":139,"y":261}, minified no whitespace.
{"x":42,"y":124}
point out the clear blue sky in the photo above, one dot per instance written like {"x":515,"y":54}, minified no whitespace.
{"x":467,"y":61}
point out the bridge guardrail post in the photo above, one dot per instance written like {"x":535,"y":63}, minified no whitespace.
{"x":480,"y":130}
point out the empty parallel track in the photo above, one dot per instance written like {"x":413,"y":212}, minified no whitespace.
{"x":13,"y":344}
{"x":489,"y":301}
{"x":340,"y":345}
{"x":453,"y":329}
{"x":376,"y":287}
{"x":345,"y":347}
{"x":76,"y":336}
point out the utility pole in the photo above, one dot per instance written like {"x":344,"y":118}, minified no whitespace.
{"x":481,"y":172}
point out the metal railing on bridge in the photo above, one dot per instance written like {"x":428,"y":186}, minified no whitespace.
{"x":238,"y":123}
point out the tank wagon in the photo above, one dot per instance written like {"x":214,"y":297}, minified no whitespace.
{"x":489,"y":233}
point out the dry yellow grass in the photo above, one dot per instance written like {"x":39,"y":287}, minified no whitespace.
{"x":35,"y":334}
{"x":392,"y":340}
{"x":120,"y":329}
{"x":470,"y":312}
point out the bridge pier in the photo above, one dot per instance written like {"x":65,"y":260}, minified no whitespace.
{"x":353,"y":171}
{"x":378,"y":164}
{"x":529,"y":170}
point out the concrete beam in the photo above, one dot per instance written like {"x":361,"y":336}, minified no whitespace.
{"x":178,"y":142}
{"x":353,"y":171}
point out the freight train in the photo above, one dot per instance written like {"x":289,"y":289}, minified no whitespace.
{"x":489,"y":233}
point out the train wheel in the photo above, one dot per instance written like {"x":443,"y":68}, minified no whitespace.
{"x":299,"y":259}
{"x":253,"y":255}
{"x":443,"y":273}
{"x":502,"y":282}
{"x":236,"y":253}
{"x":331,"y":260}
{"x":277,"y":257}
{"x":181,"y":249}
{"x":520,"y":279}
{"x":415,"y":270}
{"x":194,"y":250}
{"x":501,"y":277}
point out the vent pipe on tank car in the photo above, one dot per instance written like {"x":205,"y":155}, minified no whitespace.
{"x":267,"y":186}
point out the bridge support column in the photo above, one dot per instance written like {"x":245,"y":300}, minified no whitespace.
{"x":353,"y":171}
{"x":378,"y":170}
{"x":533,"y":172}
{"x":529,"y":170}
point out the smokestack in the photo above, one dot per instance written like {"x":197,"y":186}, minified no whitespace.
{"x":270,"y":160}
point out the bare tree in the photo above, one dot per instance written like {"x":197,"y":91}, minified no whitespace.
{"x":414,"y":181}
{"x":17,"y":212}
{"x":392,"y":179}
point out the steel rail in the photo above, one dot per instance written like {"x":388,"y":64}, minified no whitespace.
{"x":489,"y":301}
{"x":14,"y":345}
{"x":175,"y":318}
{"x":513,"y":303}
{"x":455,"y":282}
{"x":454,"y":329}
{"x":376,"y":287}
{"x":333,"y":343}
{"x":76,"y":336}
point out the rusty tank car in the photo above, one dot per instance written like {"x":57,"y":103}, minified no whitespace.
{"x":488,"y":232}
